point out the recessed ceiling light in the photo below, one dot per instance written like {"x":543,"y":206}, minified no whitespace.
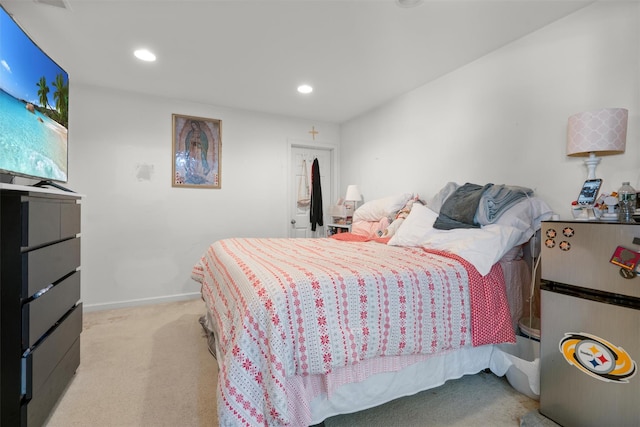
{"x":305,"y":89}
{"x":145,"y":55}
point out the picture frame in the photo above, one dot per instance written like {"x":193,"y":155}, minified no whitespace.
{"x":196,"y":149}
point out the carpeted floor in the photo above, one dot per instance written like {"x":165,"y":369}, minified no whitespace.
{"x":473,"y":400}
{"x":142,"y":366}
{"x":150,"y":366}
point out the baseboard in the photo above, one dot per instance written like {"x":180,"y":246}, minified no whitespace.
{"x":139,"y":302}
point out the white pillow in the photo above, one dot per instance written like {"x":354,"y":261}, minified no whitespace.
{"x":482,"y":247}
{"x":377,"y":209}
{"x":415,"y":228}
{"x":526,"y":216}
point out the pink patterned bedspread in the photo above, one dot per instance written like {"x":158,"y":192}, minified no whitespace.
{"x":286,"y":307}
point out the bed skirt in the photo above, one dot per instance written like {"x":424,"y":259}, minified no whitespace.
{"x":384,"y":387}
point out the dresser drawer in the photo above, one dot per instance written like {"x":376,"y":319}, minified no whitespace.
{"x":45,"y":220}
{"x":37,"y":410}
{"x":47,"y":265}
{"x":69,"y":220}
{"x":40,"y":314}
{"x":40,"y":363}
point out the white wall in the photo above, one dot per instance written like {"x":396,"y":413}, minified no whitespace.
{"x":500,"y":119}
{"x":141,"y":236}
{"x":503,"y":118}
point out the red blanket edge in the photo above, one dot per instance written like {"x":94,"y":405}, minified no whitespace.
{"x":490,"y":312}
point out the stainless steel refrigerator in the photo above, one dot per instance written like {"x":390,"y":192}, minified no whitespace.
{"x":590,"y":324}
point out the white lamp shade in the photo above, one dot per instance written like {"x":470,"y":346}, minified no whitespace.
{"x":353,"y":193}
{"x":602,"y":131}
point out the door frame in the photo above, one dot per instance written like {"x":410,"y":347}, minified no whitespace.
{"x":335,"y":167}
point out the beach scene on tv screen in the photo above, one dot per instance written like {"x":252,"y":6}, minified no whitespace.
{"x":34,"y":104}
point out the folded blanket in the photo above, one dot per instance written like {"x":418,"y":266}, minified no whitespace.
{"x":459,"y":209}
{"x":497,"y":199}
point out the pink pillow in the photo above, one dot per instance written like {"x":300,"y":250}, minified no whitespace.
{"x":370,"y":228}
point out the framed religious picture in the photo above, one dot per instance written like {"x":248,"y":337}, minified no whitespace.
{"x":197,"y":144}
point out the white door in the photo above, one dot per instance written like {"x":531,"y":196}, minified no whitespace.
{"x":300,"y":224}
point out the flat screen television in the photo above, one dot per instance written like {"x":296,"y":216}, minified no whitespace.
{"x":34,"y":108}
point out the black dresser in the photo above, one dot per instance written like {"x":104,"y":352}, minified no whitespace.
{"x":40,"y":308}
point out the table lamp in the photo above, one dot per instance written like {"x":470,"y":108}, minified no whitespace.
{"x":601,"y":131}
{"x":353,"y":195}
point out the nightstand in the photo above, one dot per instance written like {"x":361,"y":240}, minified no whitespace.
{"x":334,"y":228}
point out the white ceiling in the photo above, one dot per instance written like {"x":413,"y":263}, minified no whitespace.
{"x":252,"y":54}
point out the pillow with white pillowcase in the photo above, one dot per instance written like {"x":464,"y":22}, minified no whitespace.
{"x":375,"y":210}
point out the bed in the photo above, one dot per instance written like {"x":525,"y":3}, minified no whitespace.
{"x":309,"y":328}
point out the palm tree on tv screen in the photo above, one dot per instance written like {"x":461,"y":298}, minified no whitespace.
{"x":43,"y":92}
{"x":61,"y":95}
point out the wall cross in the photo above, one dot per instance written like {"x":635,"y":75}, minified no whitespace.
{"x":313,"y":132}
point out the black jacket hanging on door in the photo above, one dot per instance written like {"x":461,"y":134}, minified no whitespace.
{"x":315,"y":214}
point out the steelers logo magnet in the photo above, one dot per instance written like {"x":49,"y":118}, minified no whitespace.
{"x":597,"y":357}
